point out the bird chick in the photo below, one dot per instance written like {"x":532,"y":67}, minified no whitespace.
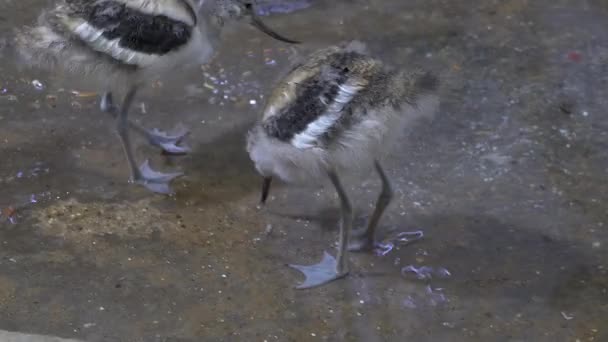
{"x":338,"y":114}
{"x":126,"y":43}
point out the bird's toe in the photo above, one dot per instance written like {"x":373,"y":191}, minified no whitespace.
{"x":319,"y":274}
{"x":170,"y":143}
{"x":155,"y":181}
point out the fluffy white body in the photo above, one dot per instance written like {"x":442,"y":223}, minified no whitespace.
{"x":304,"y":159}
{"x":353,"y":155}
{"x":66,"y":42}
{"x":121,"y":44}
{"x":334,"y":116}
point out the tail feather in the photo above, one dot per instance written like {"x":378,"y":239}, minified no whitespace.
{"x":36,"y":46}
{"x":427,"y":83}
{"x":41,"y":47}
{"x":423,"y":91}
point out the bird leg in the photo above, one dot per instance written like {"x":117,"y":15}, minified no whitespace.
{"x":170,"y":144}
{"x":331,"y":268}
{"x":366,"y":239}
{"x":143,"y":175}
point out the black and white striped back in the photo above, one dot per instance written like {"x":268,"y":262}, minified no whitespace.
{"x":134,"y":32}
{"x":320,"y":100}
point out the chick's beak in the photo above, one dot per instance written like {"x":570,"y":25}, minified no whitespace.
{"x":265,"y":189}
{"x":256,"y":22}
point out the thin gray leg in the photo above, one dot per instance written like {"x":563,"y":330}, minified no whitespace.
{"x":367,"y":239}
{"x":331,"y":268}
{"x":171,"y":144}
{"x":122,"y":127}
{"x":143,"y":175}
{"x":346,"y":224}
{"x":384,"y":199}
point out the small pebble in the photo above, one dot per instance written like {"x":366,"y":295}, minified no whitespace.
{"x":575,"y":56}
{"x":566,"y":316}
{"x":37,"y":84}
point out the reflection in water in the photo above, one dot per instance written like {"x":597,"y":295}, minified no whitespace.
{"x":426,"y":272}
{"x":400,"y":239}
{"x":431,"y":297}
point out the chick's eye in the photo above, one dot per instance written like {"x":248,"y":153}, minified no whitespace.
{"x":248,"y":5}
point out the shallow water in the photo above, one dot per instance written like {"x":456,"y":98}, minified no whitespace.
{"x":508,"y":185}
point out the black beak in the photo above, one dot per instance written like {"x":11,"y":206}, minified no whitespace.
{"x":259,"y":24}
{"x":265,"y":189}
